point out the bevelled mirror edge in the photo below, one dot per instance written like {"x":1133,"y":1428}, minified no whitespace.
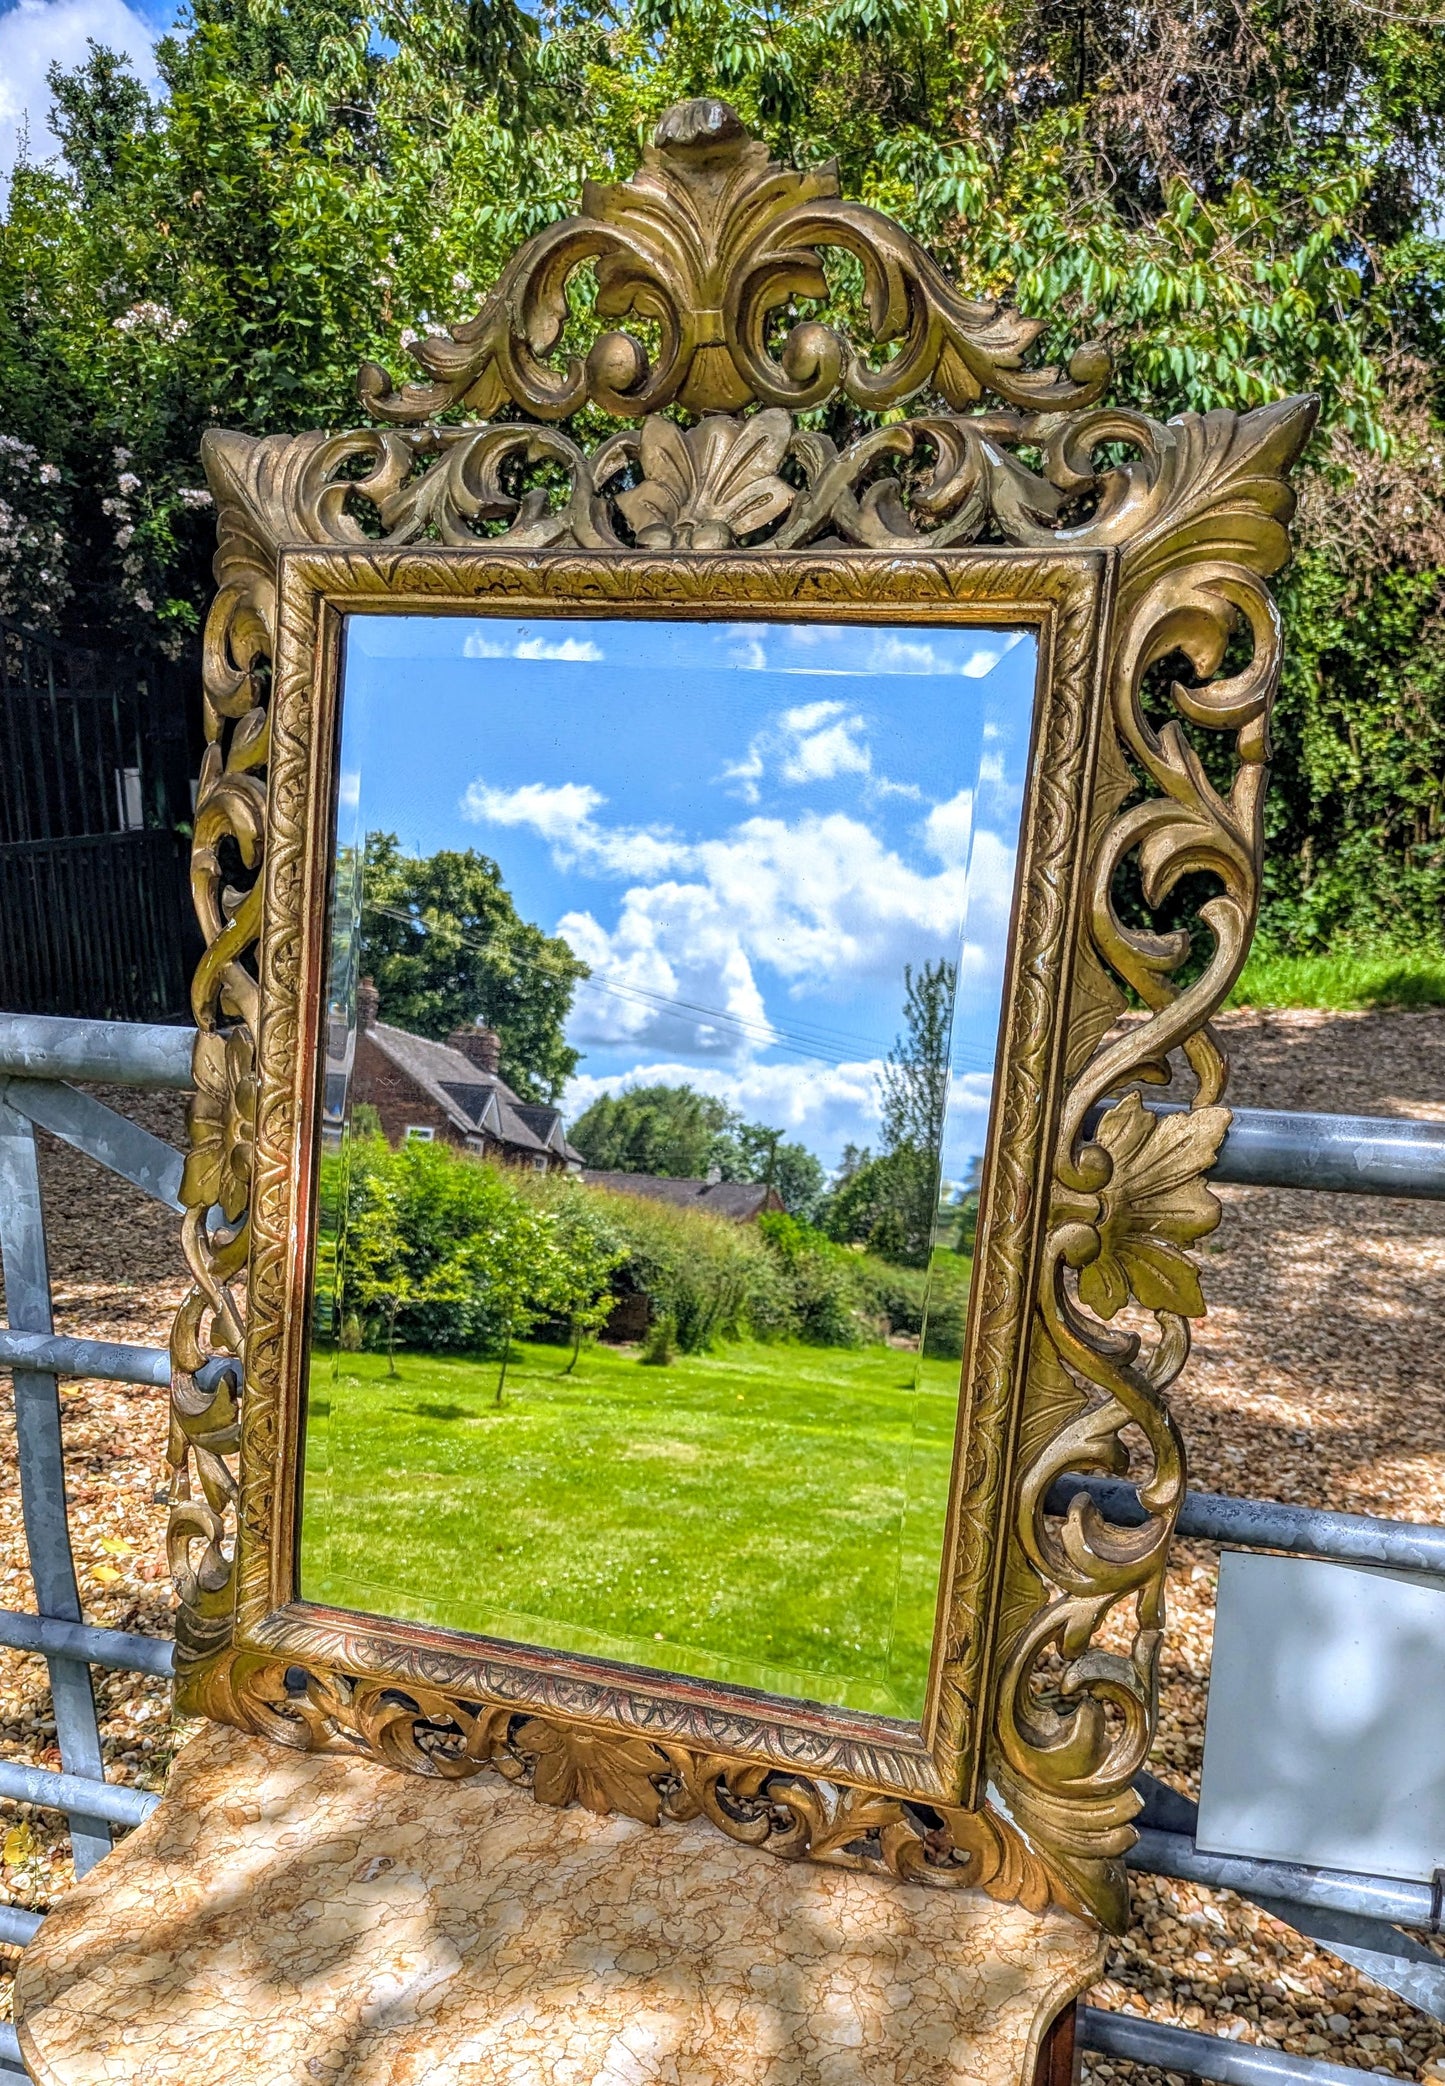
{"x":1196,"y":518}
{"x":981,"y":592}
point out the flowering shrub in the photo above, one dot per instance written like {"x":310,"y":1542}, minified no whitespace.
{"x":34,"y":586}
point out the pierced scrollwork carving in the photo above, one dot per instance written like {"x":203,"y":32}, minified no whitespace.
{"x":707,"y":241}
{"x":706,"y":244}
{"x":787,"y":1815}
{"x":1200,"y":527}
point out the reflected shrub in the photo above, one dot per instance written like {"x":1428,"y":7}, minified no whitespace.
{"x":713,"y":1279}
{"x":429,"y":1247}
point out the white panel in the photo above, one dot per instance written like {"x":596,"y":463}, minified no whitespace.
{"x":1325,"y":1740}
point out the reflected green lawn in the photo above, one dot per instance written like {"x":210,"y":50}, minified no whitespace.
{"x":768,"y":1515}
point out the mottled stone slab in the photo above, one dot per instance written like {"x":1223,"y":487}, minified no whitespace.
{"x":283,"y":1920}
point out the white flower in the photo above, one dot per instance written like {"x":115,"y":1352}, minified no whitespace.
{"x":120,"y":457}
{"x":460,"y":281}
{"x":128,"y":482}
{"x":49,"y":474}
{"x":144,"y":603}
{"x":123,"y":536}
{"x":158,"y":317}
{"x":409,"y":337}
{"x":193,"y":496}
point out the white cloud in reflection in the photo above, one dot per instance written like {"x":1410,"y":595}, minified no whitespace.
{"x":569,"y":649}
{"x":814,"y":742}
{"x":562,"y":815}
{"x":820,"y":902}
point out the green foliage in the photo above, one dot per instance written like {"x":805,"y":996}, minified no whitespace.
{"x":671,"y":1131}
{"x":709,"y":1278}
{"x":890,"y":1204}
{"x":442,"y":1252}
{"x":681,"y":1135}
{"x":887,"y":1206}
{"x":825,"y":1291}
{"x":1355,"y":819}
{"x":446,"y":947}
{"x":841,"y":1297}
{"x":752,"y":1152}
{"x":585,"y":1248}
{"x":659,"y":1349}
{"x":914,"y":1086}
{"x":1380,"y":975}
{"x":34,"y":586}
{"x":1238,"y":213}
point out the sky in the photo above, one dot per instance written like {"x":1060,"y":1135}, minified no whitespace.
{"x":745,"y":830}
{"x":36,"y":34}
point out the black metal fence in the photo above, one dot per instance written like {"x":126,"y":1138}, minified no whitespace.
{"x":95,"y":913}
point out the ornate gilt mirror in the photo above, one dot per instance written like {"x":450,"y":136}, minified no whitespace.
{"x":890,"y":787}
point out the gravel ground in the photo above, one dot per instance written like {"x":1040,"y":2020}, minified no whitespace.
{"x":1316,"y":1378}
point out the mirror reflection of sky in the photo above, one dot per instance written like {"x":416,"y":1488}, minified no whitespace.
{"x":746,"y":830}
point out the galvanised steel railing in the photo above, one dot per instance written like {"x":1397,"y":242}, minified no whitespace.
{"x":1356,"y":1917}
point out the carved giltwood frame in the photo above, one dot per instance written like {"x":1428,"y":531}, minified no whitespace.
{"x":1020,"y":1780}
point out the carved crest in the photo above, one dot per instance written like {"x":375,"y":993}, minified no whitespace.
{"x":705,"y":250}
{"x":707,"y":241}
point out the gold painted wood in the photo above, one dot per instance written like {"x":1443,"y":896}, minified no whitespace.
{"x":706,"y":241}
{"x":1137,"y":575}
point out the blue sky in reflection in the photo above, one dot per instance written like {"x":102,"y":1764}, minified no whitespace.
{"x":746,"y":831}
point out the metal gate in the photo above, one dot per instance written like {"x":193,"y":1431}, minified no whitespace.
{"x":1356,"y":1917}
{"x":95,"y":910}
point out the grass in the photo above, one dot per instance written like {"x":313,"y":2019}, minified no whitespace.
{"x":768,"y":1515}
{"x":1343,"y":980}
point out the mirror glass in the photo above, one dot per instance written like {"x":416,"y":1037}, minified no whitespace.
{"x":665,"y":981}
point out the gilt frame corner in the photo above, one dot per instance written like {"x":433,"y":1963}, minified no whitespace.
{"x":1137,"y":574}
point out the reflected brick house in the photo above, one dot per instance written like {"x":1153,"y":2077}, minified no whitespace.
{"x":453,"y":1091}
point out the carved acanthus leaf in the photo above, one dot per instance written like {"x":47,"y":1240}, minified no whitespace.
{"x":1128,"y":1240}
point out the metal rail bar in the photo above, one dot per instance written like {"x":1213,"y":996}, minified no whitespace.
{"x":1372,"y":1945}
{"x":17,"y":1926}
{"x":123,"y":1651}
{"x":1330,"y":1890}
{"x":42,"y":1483}
{"x":1208,"y":2056}
{"x":1271,"y":1524}
{"x":78,"y":1794}
{"x":118,"y":1053}
{"x":110,"y":1361}
{"x":10,"y":2057}
{"x":1343,"y":1154}
{"x":111,"y":1139}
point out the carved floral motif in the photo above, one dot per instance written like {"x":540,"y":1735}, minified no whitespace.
{"x":707,"y":244}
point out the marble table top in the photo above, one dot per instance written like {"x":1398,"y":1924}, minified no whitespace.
{"x":292,"y":1920}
